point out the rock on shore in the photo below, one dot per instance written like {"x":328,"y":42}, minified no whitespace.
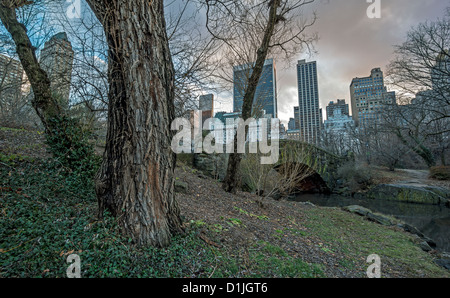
{"x":410,"y":192}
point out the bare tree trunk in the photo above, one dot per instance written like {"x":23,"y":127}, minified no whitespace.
{"x":136,"y":180}
{"x":44,"y":103}
{"x":231,"y":179}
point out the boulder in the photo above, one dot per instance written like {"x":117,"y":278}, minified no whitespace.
{"x":410,"y":229}
{"x":368,"y":214}
{"x":211,"y":165}
{"x":181,"y":187}
{"x":413,"y":230}
{"x":425,"y":246}
{"x":380,"y":219}
{"x":423,"y":241}
{"x":410,"y":193}
{"x":276,"y":195}
{"x":443,"y":263}
{"x":357,"y":209}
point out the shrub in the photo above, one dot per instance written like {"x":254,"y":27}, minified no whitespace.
{"x":356,"y":176}
{"x":440,"y":172}
{"x":185,"y":159}
{"x":70,"y":146}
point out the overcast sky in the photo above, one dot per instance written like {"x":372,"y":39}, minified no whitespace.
{"x":350,"y":45}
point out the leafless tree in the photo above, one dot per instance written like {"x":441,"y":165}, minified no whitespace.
{"x":89,"y":78}
{"x":422,"y":63}
{"x":44,"y":102}
{"x":421,"y":68}
{"x":192,"y":48}
{"x":15,"y":98}
{"x":419,"y":129}
{"x":194,"y":52}
{"x":251,"y":31}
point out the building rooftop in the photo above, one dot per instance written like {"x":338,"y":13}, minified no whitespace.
{"x":60,"y":36}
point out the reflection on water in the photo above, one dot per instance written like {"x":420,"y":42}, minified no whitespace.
{"x":433,"y":221}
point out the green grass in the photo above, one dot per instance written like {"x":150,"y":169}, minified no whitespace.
{"x":12,"y":158}
{"x":2,"y":128}
{"x":274,"y":261}
{"x":359,"y":238}
{"x":47,"y":214}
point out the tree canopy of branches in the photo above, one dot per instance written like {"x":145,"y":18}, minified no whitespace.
{"x":250,"y":31}
{"x":193,"y":52}
{"x":422,"y":63}
{"x":422,"y":68}
{"x":44,"y":103}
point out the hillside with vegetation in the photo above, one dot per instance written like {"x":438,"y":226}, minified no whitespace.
{"x":48,"y":212}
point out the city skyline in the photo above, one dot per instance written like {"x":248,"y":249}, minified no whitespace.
{"x":350,"y":45}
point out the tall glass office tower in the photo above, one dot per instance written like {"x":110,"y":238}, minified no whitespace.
{"x":265,"y":100}
{"x":308,"y":100}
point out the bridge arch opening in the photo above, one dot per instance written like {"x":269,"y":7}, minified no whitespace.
{"x":301,"y":178}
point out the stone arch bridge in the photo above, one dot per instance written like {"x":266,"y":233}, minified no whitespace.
{"x":316,"y":165}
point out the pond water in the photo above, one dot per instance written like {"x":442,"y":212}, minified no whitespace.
{"x":433,"y":221}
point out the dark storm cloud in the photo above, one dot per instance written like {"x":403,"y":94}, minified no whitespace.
{"x":351,"y":44}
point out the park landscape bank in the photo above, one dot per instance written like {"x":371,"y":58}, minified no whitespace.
{"x":227,"y":235}
{"x":335,"y":238}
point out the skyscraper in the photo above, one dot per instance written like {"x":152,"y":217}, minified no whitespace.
{"x":265,"y":99}
{"x":206,"y":102}
{"x":12,"y":77}
{"x":369,"y":97}
{"x":57,"y":60}
{"x":206,"y":105}
{"x":291,"y":124}
{"x":297,"y":117}
{"x":308,"y":100}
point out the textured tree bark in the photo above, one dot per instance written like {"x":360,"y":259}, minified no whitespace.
{"x":136,"y":180}
{"x":231,"y":180}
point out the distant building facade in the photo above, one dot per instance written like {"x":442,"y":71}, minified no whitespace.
{"x":339,"y":105}
{"x":265,"y":99}
{"x":339,"y":123}
{"x":225,"y":134}
{"x":440,"y":72}
{"x":291,"y":124}
{"x":293,"y":134}
{"x":15,"y":97}
{"x":57,"y":60}
{"x":337,"y":129}
{"x":206,"y":105}
{"x":297,"y":117}
{"x":369,"y":98}
{"x":308,"y":97}
{"x":282,"y":131}
{"x":12,"y":78}
{"x":206,"y":102}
